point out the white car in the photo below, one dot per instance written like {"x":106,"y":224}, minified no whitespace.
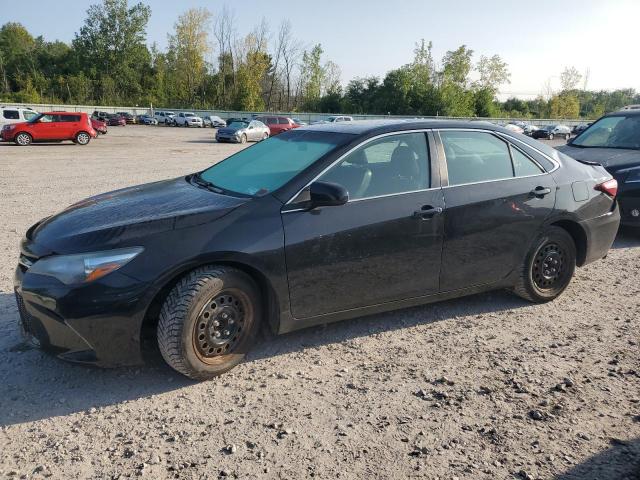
{"x":15,"y":115}
{"x":213,"y":121}
{"x":187,"y":119}
{"x":334,"y":119}
{"x":164,"y":117}
{"x":514,"y":128}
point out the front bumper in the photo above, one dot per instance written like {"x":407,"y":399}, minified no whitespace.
{"x":629,"y":201}
{"x":99,"y":323}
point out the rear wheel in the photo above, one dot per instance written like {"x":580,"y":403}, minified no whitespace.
{"x":551,"y":136}
{"x":83,"y":138}
{"x":23,"y":139}
{"x":209,"y":321}
{"x":243,"y":138}
{"x":265,"y":135}
{"x":548,"y":267}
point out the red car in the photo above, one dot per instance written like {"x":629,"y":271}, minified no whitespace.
{"x":115,"y":120}
{"x":99,"y":126}
{"x":51,"y":126}
{"x":278,"y":124}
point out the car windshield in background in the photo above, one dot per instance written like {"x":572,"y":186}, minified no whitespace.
{"x":270,"y":164}
{"x":618,"y":131}
{"x":238,"y":124}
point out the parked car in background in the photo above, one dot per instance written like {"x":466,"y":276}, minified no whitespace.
{"x":128,"y":117}
{"x":578,"y":129}
{"x":100,"y":115}
{"x":552,"y":131}
{"x":613,"y":141}
{"x":99,"y":126}
{"x":15,"y":115}
{"x":277,"y":124}
{"x":146,"y":119}
{"x":334,"y":119}
{"x":630,"y":107}
{"x":514,"y":128}
{"x":234,"y":119}
{"x":164,"y":118}
{"x":51,"y":126}
{"x":299,"y":122}
{"x":187,"y":119}
{"x":116,"y":120}
{"x":213,"y":121}
{"x":243,"y":131}
{"x":529,"y":129}
{"x":315,"y":225}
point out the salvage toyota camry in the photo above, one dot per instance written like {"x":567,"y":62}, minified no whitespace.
{"x":318,"y":224}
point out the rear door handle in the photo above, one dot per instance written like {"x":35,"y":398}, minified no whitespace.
{"x":540,"y":192}
{"x":427,"y":212}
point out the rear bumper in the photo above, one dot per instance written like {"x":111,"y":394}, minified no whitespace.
{"x":601,"y":233}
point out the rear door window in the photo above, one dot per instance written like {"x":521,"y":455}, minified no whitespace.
{"x":11,"y":114}
{"x":283,"y":121}
{"x":523,"y":166}
{"x":475,"y":157}
{"x":69,"y":118}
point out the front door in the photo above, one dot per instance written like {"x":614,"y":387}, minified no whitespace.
{"x":497,"y":199}
{"x":383,"y":245}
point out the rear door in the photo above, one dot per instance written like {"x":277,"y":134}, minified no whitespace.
{"x":497,"y":198}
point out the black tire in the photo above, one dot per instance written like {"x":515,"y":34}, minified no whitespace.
{"x":548,"y":267}
{"x":567,"y":136}
{"x":23,"y":139}
{"x":82,"y":138}
{"x":265,"y":136}
{"x":209,"y":321}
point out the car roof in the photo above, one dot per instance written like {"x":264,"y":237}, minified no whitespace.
{"x":360,"y":127}
{"x":624,"y":113}
{"x":63,"y":113}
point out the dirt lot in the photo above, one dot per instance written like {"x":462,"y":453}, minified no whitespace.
{"x":483,"y":387}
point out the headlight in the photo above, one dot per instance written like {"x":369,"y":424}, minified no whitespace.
{"x":634,"y":176}
{"x":84,"y":267}
{"x":8,"y":127}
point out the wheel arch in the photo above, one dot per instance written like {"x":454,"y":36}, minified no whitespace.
{"x":578,"y":235}
{"x":267,"y":294}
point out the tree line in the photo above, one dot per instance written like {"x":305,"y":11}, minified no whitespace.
{"x":208,"y":64}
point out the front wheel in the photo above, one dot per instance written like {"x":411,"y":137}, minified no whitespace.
{"x":243,"y":138}
{"x":551,"y":136}
{"x":82,"y":138}
{"x":548,"y":267}
{"x":23,"y":139}
{"x":209,"y":321}
{"x":567,"y":136}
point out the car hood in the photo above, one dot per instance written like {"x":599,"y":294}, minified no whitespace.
{"x":231,"y":130}
{"x":125,"y":216}
{"x":610,"y":158}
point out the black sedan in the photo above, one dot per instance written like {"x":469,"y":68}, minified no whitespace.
{"x":318,"y":224}
{"x":614,"y":142}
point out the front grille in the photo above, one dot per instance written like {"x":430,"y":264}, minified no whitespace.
{"x":26,"y":320}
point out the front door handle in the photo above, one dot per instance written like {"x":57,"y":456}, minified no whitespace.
{"x":540,"y":192}
{"x":427,"y":212}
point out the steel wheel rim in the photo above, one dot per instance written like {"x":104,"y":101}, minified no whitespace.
{"x":221,"y":325}
{"x":549,"y":266}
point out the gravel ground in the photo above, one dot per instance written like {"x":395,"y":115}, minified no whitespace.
{"x":483,"y":387}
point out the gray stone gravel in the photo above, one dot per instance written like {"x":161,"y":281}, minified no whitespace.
{"x":442,"y":391}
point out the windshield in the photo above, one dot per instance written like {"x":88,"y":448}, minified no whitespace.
{"x":238,"y":124}
{"x":618,"y":131}
{"x":270,"y":164}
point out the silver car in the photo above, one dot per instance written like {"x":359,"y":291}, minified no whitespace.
{"x":243,"y":131}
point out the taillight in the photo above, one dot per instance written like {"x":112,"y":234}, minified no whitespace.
{"x":610,"y":187}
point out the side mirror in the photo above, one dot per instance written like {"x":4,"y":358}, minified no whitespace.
{"x":327,"y":194}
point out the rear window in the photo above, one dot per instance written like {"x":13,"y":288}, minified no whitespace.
{"x":11,"y":114}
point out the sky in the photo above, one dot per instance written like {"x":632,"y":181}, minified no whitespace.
{"x":537,"y":39}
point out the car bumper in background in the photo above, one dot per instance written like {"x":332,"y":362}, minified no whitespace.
{"x":629,"y":201}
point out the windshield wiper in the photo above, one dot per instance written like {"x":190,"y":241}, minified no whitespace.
{"x":198,"y":180}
